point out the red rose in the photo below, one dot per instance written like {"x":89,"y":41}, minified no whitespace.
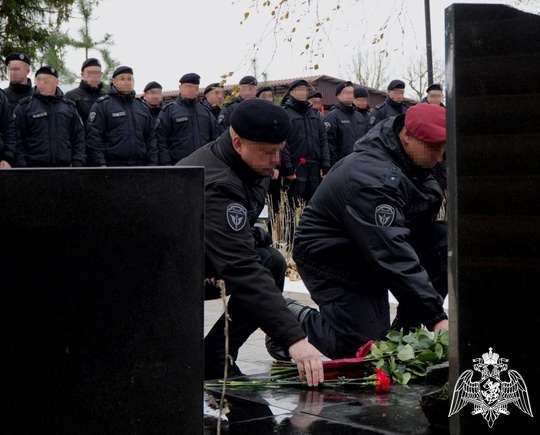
{"x":382,"y":381}
{"x":303,"y":160}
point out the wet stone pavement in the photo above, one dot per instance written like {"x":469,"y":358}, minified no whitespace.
{"x":310,"y":411}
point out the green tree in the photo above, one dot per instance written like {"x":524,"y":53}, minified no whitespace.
{"x":27,"y":25}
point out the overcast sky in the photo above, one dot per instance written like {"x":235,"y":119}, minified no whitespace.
{"x":164,"y":39}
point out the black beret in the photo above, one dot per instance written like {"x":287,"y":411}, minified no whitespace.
{"x":91,"y":61}
{"x":194,"y":79}
{"x":360,"y":92}
{"x":296,"y":83}
{"x":248,"y":80}
{"x":122,"y":70}
{"x":211,"y":87}
{"x":152,"y":85}
{"x":396,"y":84}
{"x":434,"y":87}
{"x":260,"y":120}
{"x":342,"y":86}
{"x":314,"y":94}
{"x":46,"y":69}
{"x":263,"y":89}
{"x":17,"y":56}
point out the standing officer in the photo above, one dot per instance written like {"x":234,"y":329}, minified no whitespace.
{"x":185,"y":125}
{"x":7,"y":134}
{"x":20,"y":86}
{"x":434,"y":95}
{"x":370,"y":228}
{"x":361,"y":103}
{"x":344,"y":125}
{"x":238,"y":165}
{"x":120,"y":129}
{"x":315,"y":99}
{"x":213,"y":98}
{"x":153,"y":97}
{"x":90,"y":88}
{"x":266,"y":93}
{"x":50,"y":132}
{"x":247,"y":89}
{"x":392,"y":106}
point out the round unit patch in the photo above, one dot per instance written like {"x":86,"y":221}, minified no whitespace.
{"x":236,"y":216}
{"x":384,"y":215}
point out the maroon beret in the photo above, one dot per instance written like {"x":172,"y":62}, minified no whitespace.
{"x":427,"y":122}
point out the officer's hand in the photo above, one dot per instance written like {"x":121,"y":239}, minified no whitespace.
{"x":4,"y":165}
{"x":291,"y":177}
{"x":443,"y":324}
{"x":275,"y":174}
{"x":308,"y":361}
{"x":261,"y":236}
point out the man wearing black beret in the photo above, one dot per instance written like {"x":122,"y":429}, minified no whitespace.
{"x":90,"y":88}
{"x":266,"y":93}
{"x":213,"y":98}
{"x":361,"y":102}
{"x":20,"y":86}
{"x":185,"y":125}
{"x":314,"y":98}
{"x":247,"y":89}
{"x":50,"y":132}
{"x":153,"y":97}
{"x":7,"y":134}
{"x":238,"y":165}
{"x":120,"y":129}
{"x":434,"y":94}
{"x":392,"y":106}
{"x":344,"y":125}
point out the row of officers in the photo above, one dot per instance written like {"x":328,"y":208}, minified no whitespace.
{"x":88,"y":126}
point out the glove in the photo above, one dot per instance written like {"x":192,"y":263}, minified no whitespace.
{"x":261,"y":236}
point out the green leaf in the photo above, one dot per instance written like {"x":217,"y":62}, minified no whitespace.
{"x":417,"y":370}
{"x":394,"y":336}
{"x":439,"y":351}
{"x":406,"y":378}
{"x":406,"y":353}
{"x":427,"y":356}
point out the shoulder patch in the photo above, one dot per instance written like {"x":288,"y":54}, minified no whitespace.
{"x":327,"y":125}
{"x":67,"y":100}
{"x":378,"y":106}
{"x":92,"y":117}
{"x":100,"y":99}
{"x":372,"y":120}
{"x":236,"y":216}
{"x":392,"y":178}
{"x":384,"y":215}
{"x":220,"y":119}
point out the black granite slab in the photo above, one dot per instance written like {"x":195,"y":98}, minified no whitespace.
{"x":102,"y":301}
{"x":493,"y":151}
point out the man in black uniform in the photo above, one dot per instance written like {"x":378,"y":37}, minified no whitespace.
{"x":185,"y":125}
{"x":213,"y":98}
{"x":434,"y":95}
{"x":247,"y":89}
{"x":370,"y":228}
{"x":153,"y":97}
{"x":266,"y":93}
{"x":392,"y":106}
{"x":50,"y":132}
{"x":314,"y":98}
{"x":120,"y":129}
{"x":344,"y":125}
{"x":7,"y":134}
{"x":238,"y":165}
{"x":20,"y":86}
{"x":90,"y":88}
{"x":361,"y":103}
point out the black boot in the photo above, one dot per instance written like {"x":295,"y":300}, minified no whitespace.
{"x":215,"y":369}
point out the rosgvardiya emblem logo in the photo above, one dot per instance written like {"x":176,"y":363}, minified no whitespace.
{"x":490,"y":395}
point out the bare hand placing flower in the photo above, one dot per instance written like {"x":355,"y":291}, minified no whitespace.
{"x":308,"y":361}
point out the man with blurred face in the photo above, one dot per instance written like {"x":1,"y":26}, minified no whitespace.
{"x":265,"y":93}
{"x":344,"y":125}
{"x":90,"y":88}
{"x":153,"y":97}
{"x":247,"y":89}
{"x":185,"y":125}
{"x":434,"y":95}
{"x":120,"y":129}
{"x":361,"y":102}
{"x":392,"y":106}
{"x":20,"y":86}
{"x":50,"y":132}
{"x":214,"y":95}
{"x":238,"y":165}
{"x":7,"y":134}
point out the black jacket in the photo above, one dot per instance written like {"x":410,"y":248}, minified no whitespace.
{"x":214,"y":109}
{"x":120,"y":132}
{"x":7,"y":131}
{"x":344,"y":126}
{"x":84,"y":98}
{"x":183,"y":127}
{"x":234,"y":198}
{"x":307,"y":138}
{"x":224,"y":118}
{"x":358,"y":230}
{"x":50,"y":132}
{"x":386,"y":110}
{"x":15,"y":92}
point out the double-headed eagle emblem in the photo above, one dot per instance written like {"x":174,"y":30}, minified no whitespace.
{"x":490,"y":395}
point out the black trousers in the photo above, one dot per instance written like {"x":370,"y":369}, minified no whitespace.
{"x":243,"y":322}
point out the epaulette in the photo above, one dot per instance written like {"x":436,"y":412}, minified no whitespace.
{"x":378,"y":106}
{"x":104,"y":97}
{"x":393,"y":178}
{"x":67,"y":100}
{"x":26,"y":99}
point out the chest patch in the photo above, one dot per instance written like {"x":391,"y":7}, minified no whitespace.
{"x":118,"y":114}
{"x":183,"y":119}
{"x":384,"y":215}
{"x":236,"y":216}
{"x":39,"y":115}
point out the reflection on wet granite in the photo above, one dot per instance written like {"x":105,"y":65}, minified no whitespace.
{"x":320,"y":411}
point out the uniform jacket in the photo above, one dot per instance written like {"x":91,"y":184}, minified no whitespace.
{"x":183,"y":127}
{"x":49,"y":132}
{"x":120,"y":132}
{"x":307,"y":138}
{"x":344,"y":126}
{"x":385,"y":110}
{"x":234,"y":198}
{"x":7,"y":131}
{"x":84,"y":98}
{"x":214,"y":109}
{"x":16,"y":92}
{"x":224,"y":118}
{"x":358,"y":230}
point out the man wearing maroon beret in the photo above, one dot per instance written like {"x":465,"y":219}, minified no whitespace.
{"x":371,"y":228}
